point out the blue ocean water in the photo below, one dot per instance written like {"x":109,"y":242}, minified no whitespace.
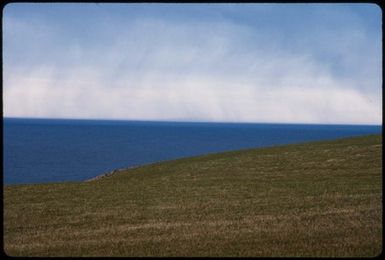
{"x":47,"y":150}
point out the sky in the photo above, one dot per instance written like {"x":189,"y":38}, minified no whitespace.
{"x":273,"y":63}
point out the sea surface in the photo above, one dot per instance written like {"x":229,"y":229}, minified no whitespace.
{"x":48,"y":150}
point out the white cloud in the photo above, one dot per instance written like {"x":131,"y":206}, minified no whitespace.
{"x":211,"y":71}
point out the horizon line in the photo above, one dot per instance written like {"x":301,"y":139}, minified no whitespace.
{"x":188,"y":121}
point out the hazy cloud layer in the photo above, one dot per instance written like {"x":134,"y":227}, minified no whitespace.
{"x":215,"y":65}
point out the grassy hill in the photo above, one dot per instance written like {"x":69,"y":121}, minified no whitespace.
{"x":314,"y":199}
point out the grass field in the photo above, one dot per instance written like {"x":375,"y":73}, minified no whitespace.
{"x":314,"y":199}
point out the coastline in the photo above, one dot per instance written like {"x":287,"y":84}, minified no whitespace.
{"x":115,"y":171}
{"x":133,"y":144}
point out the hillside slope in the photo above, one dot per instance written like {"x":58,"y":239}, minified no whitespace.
{"x":314,"y":199}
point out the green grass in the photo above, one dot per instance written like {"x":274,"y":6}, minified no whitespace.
{"x":314,"y":199}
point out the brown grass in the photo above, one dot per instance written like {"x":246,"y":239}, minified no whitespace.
{"x":316,"y":199}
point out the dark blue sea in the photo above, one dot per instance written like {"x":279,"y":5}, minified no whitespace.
{"x":47,"y":150}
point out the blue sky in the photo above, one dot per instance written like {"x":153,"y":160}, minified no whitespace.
{"x":289,"y":63}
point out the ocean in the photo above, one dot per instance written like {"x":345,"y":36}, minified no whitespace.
{"x":61,"y":150}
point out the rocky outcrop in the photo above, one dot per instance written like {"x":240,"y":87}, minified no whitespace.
{"x":107,"y":174}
